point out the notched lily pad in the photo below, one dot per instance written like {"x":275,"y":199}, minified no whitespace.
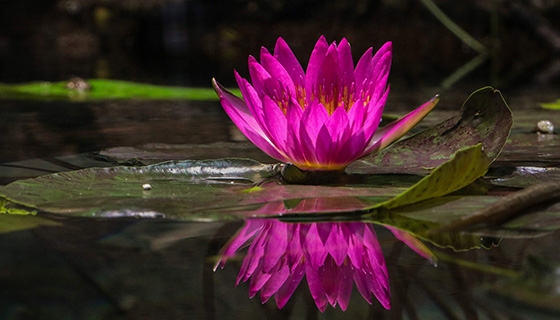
{"x":184,"y":190}
{"x":485,"y":118}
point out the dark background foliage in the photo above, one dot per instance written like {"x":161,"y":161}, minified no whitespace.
{"x":186,"y":42}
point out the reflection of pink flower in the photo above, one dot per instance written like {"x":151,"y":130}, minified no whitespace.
{"x":332,"y":256}
{"x":321,"y":119}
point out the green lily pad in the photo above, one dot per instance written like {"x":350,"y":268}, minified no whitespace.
{"x":159,"y":152}
{"x":526,"y":176}
{"x":182,"y":190}
{"x":485,"y":118}
{"x":466,"y":166}
{"x":100,"y":89}
{"x":211,"y":189}
{"x":552,"y":105}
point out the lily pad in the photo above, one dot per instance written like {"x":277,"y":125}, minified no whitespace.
{"x":158,"y":152}
{"x":182,"y":190}
{"x":466,"y":166}
{"x":216,"y":189}
{"x":526,"y":176}
{"x":552,"y":105}
{"x":100,"y":89}
{"x":485,"y":118}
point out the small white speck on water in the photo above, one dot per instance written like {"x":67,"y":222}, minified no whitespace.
{"x":146,"y":187}
{"x":545,"y":126}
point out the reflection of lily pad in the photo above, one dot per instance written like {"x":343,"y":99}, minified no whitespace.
{"x":485,"y":118}
{"x":11,"y":223}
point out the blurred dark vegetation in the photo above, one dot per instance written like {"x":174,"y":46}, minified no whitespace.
{"x":187,"y":42}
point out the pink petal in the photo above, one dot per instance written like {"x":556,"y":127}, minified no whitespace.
{"x":328,"y":275}
{"x":254,"y":255}
{"x":314,"y":247}
{"x":290,"y":285}
{"x":396,"y":129}
{"x":275,"y":282}
{"x":258,"y":280}
{"x":345,"y":284}
{"x":332,"y":136}
{"x":239,"y":239}
{"x":414,"y":244}
{"x":345,"y":64}
{"x":373,"y":119}
{"x":364,"y":285}
{"x":316,"y":287}
{"x":276,"y":123}
{"x":275,"y":245}
{"x":356,"y":253}
{"x":337,"y":244}
{"x":243,"y":118}
{"x":260,"y":78}
{"x":313,"y":119}
{"x":277,"y":71}
{"x":237,"y":109}
{"x":379,"y":76}
{"x":314,"y":68}
{"x":356,"y":116}
{"x":363,"y":69}
{"x":295,"y":250}
{"x":307,"y":145}
{"x":328,"y":77}
{"x":352,"y":149}
{"x":293,"y":147}
{"x":286,"y":57}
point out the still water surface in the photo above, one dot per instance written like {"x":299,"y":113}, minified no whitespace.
{"x":153,"y":268}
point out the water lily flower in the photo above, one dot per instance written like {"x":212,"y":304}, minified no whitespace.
{"x":332,"y":256}
{"x":321,"y":119}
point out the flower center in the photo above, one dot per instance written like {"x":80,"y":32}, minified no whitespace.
{"x":337,"y":96}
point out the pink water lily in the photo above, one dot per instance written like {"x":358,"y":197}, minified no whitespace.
{"x":332,"y":257}
{"x":321,"y":119}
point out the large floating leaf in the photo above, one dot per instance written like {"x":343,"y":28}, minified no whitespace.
{"x":159,"y":152}
{"x":183,"y":190}
{"x":485,"y":118}
{"x":464,"y":168}
{"x":98,"y":89}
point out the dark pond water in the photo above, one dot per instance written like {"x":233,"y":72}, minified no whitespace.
{"x":131,"y":269}
{"x":61,"y":267}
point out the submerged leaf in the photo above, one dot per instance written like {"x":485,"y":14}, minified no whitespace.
{"x":11,"y":223}
{"x":485,"y":118}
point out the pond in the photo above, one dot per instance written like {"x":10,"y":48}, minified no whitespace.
{"x":116,"y":247}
